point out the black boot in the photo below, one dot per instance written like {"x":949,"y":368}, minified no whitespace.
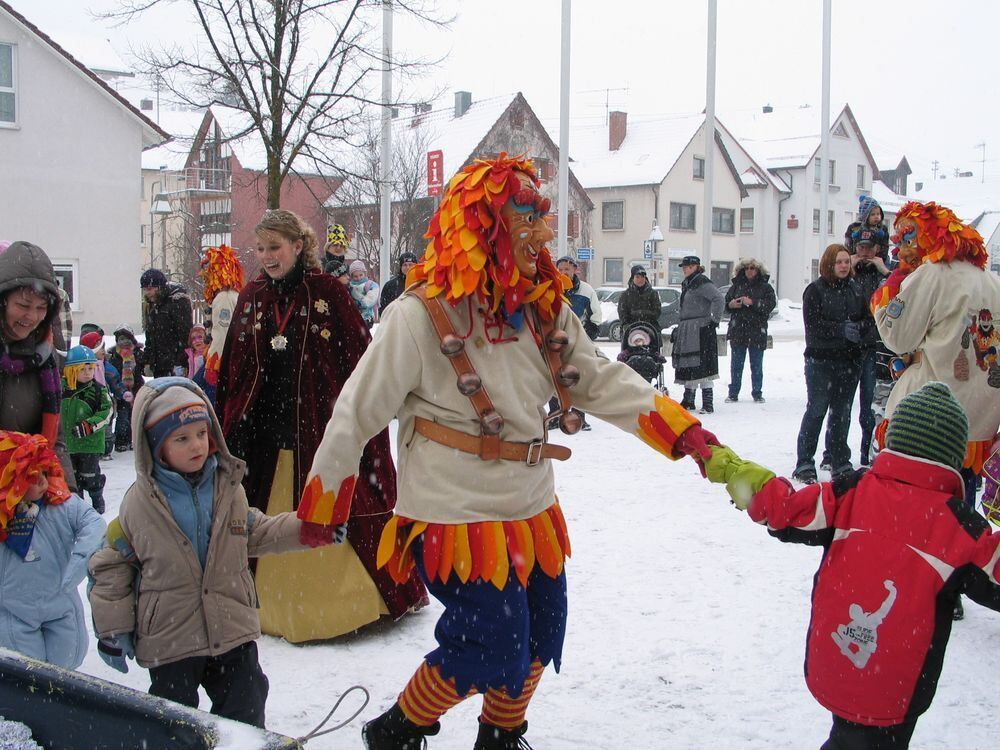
{"x":495,"y":738}
{"x":959,"y":613}
{"x":707,"y":405}
{"x":97,"y":496}
{"x":393,"y":731}
{"x":688,"y":401}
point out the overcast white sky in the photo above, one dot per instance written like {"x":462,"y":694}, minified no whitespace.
{"x":920,"y":75}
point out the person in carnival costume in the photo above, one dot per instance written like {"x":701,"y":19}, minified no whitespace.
{"x":46,"y":535}
{"x":335,"y":250}
{"x":477,"y":514}
{"x":223,"y":276}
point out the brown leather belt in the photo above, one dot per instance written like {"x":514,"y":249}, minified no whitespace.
{"x":531,"y":453}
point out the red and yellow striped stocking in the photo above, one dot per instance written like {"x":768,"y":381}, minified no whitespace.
{"x":427,"y":696}
{"x":500,"y":710}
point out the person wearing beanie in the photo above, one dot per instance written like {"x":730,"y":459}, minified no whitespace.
{"x":899,"y":545}
{"x":191,"y":616}
{"x":167,"y":320}
{"x":639,"y":301}
{"x":46,"y":535}
{"x":364,"y":291}
{"x":107,"y":375}
{"x":129,"y":358}
{"x":397,"y":284}
{"x":85,"y":416}
{"x":336,"y":245}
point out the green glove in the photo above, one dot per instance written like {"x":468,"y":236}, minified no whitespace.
{"x":746,"y":481}
{"x":722,"y":464}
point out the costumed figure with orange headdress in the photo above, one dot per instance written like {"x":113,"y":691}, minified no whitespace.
{"x":467,"y":359}
{"x":46,"y":535}
{"x":936,"y":311}
{"x":223,"y":275}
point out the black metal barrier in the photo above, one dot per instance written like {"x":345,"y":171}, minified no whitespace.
{"x":68,"y":710}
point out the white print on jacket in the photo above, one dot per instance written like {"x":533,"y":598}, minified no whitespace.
{"x":859,"y":638}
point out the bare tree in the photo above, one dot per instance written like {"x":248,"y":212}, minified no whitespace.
{"x":262,"y":57}
{"x":358,"y":198}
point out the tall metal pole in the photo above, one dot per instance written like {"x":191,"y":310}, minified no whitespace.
{"x":706,"y":219}
{"x":564,"y":202}
{"x":385,"y":214}
{"x":824,"y":148}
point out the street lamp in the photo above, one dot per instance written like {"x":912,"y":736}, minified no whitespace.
{"x":160,"y":207}
{"x":655,"y":235}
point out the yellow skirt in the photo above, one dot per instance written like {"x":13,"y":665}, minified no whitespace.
{"x":314,"y":595}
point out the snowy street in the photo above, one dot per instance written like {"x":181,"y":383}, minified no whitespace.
{"x":687,"y":622}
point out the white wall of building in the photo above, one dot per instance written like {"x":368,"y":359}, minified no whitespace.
{"x":71,"y":179}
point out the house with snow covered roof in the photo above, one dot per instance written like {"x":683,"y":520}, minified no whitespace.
{"x":787,"y":142}
{"x":648,"y":172}
{"x":71,"y":148}
{"x":445,"y":139}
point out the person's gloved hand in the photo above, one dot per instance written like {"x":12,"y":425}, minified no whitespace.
{"x":116,"y":650}
{"x":721,"y":465}
{"x":319,"y":535}
{"x":83,"y":429}
{"x":852,"y":331}
{"x":695,"y":442}
{"x":127,"y":398}
{"x":745,"y":481}
{"x":179,"y":371}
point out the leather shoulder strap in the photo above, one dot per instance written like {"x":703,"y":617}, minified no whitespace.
{"x":462,"y":365}
{"x":553,"y":358}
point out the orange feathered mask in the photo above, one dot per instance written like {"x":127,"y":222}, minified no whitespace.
{"x":929,"y":233}
{"x":221,"y":269}
{"x":23,"y":460}
{"x":470,"y":252}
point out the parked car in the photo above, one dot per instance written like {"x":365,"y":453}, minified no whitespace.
{"x":726,"y":312}
{"x":611,"y":328}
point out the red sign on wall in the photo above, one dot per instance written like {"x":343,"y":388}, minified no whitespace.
{"x":435,"y":167}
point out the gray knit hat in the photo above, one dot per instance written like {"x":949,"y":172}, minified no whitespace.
{"x":930,"y":423}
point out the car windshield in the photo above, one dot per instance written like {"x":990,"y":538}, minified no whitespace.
{"x":609,"y":295}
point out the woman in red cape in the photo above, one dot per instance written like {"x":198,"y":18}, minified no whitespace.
{"x":295,"y":338}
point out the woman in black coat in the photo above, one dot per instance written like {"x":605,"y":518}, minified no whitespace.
{"x":836,"y":321}
{"x":750,"y":300}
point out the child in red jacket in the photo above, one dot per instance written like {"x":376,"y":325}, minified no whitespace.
{"x":899,"y":546}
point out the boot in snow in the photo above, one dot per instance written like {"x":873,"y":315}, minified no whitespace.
{"x":495,"y":738}
{"x":688,"y":401}
{"x":393,"y":731}
{"x":959,"y":613}
{"x":707,"y":398}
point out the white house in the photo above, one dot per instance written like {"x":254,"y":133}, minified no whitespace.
{"x":70,"y":150}
{"x":650,"y":172}
{"x":787,"y":143}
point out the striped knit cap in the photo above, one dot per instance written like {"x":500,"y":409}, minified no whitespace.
{"x":930,"y":423}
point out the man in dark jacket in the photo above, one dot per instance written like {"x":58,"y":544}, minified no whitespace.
{"x":166,"y":317}
{"x":750,"y":300}
{"x":397,"y":284}
{"x":640,"y":301}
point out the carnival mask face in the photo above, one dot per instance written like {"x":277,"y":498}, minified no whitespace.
{"x":524,"y":216}
{"x":905,"y":239}
{"x":277,"y":254}
{"x":24,"y":310}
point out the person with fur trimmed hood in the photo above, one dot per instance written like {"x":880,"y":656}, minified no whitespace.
{"x":167,"y":320}
{"x":750,"y":300}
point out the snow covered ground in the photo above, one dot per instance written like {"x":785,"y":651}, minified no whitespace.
{"x":687,"y":621}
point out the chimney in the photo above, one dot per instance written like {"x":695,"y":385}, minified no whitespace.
{"x":146,"y":105}
{"x":617,"y":126}
{"x":767,"y":109}
{"x":463,"y":100}
{"x":919,"y":186}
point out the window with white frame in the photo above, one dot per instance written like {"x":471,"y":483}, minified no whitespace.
{"x":67,"y":274}
{"x":815,"y":221}
{"x":682,"y":216}
{"x":861,"y":176}
{"x":614,"y":270}
{"x":8,"y":84}
{"x":833,"y":171}
{"x":699,"y":168}
{"x":746,"y":221}
{"x":612,"y":215}
{"x":829,"y":222}
{"x":723,"y":220}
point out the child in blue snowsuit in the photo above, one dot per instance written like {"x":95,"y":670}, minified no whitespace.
{"x":46,"y":538}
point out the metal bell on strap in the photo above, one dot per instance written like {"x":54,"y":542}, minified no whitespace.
{"x":571,"y":422}
{"x":469,"y":384}
{"x":568,"y":376}
{"x":557,"y":340}
{"x":491,"y":423}
{"x":452,"y":345}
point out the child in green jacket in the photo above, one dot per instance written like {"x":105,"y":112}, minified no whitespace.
{"x":86,"y":413}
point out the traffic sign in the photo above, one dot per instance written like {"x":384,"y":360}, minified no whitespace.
{"x":585,"y":253}
{"x":647,"y":249}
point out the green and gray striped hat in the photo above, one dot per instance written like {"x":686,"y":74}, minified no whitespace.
{"x":930,"y":423}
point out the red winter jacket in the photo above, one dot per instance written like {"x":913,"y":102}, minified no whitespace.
{"x":899,"y":545}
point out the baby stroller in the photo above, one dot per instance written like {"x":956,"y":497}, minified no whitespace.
{"x":642,"y":351}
